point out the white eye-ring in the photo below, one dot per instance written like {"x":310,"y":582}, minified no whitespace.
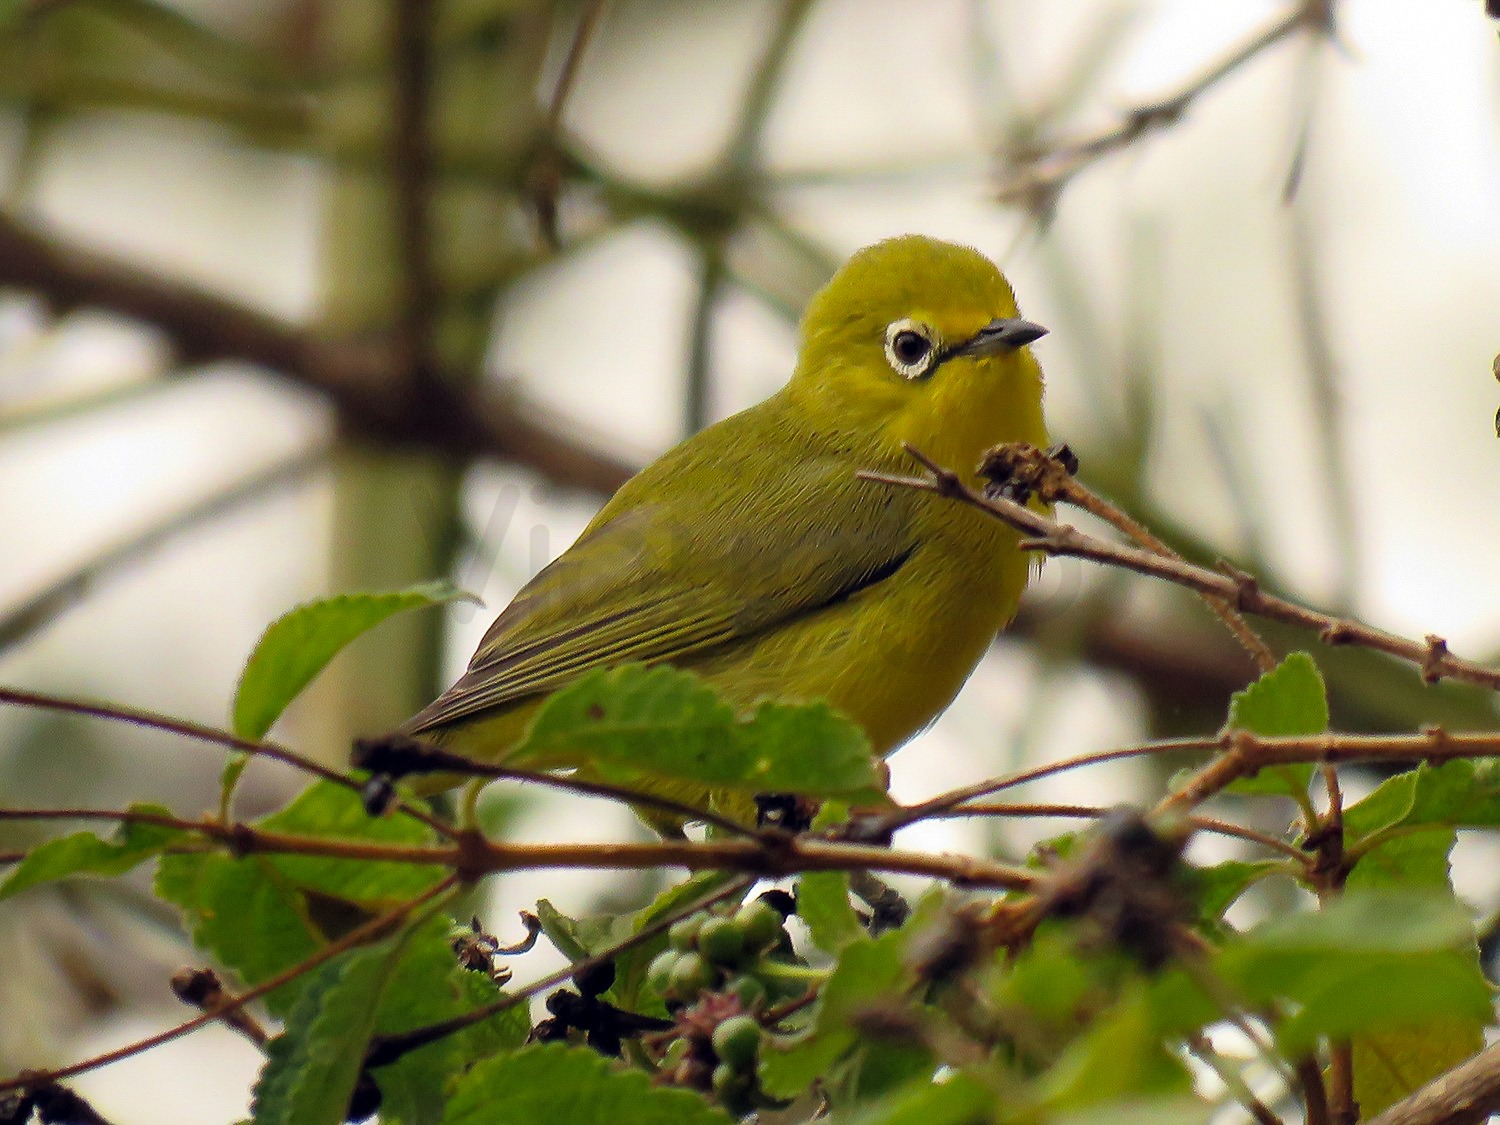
{"x":909,"y":348}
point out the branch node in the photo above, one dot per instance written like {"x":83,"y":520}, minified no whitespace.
{"x":945,"y":481}
{"x":476,"y":857}
{"x":1436,"y":657}
{"x":239,"y":840}
{"x":202,"y":989}
{"x":1338,"y":633}
{"x":1246,"y":587}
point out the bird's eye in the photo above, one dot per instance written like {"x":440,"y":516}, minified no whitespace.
{"x":909,"y":349}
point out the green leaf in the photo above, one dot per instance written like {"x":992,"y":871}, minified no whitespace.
{"x":823,"y":896}
{"x":1457,"y":794}
{"x":1123,"y":1055}
{"x":1418,"y":858}
{"x":564,"y":1084}
{"x":312,"y":1066}
{"x":428,"y":986}
{"x":823,"y":903}
{"x":296,"y":647}
{"x":880,"y":1066}
{"x":1220,"y":885}
{"x":1377,"y":922}
{"x":1290,"y":699}
{"x":83,"y":853}
{"x":867,"y":971}
{"x":326,"y":809}
{"x":576,"y":938}
{"x":260,"y":914}
{"x":635,"y":721}
{"x":1049,"y":980}
{"x":238,"y":910}
{"x":1371,"y":961}
{"x":1392,"y":1064}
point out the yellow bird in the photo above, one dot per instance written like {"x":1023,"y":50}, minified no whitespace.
{"x":753,"y":555}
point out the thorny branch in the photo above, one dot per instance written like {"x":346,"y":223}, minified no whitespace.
{"x":1234,"y":586}
{"x":1050,"y":475}
{"x":473,"y":856}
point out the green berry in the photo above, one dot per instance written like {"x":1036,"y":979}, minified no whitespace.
{"x":659,"y":972}
{"x":750,"y":992}
{"x":684,"y":932}
{"x":722,"y":941}
{"x":736,"y":1041}
{"x":760,"y":924}
{"x":690,"y":976}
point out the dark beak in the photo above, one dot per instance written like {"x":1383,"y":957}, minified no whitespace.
{"x":1004,"y":335}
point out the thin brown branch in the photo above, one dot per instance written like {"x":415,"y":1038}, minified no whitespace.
{"x":369,"y":931}
{"x":1037,"y":179}
{"x":399,"y":757}
{"x":1342,"y":1108}
{"x":202,"y":733}
{"x":544,"y":177}
{"x":202,"y":989}
{"x":954,"y":799}
{"x":1053,"y":481}
{"x":1093,"y":812}
{"x":57,"y":597}
{"x":1237,"y":753}
{"x":366,"y":382}
{"x":474,"y":856}
{"x":695,"y":398}
{"x":1431,"y":655}
{"x":1243,"y":754}
{"x":1314,"y":1097}
{"x":766,"y":80}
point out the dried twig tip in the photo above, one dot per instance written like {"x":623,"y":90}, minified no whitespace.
{"x":1019,"y":470}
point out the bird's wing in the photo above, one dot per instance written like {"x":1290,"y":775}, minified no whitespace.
{"x":660,"y":582}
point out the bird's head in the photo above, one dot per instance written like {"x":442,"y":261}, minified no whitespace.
{"x":920,"y":340}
